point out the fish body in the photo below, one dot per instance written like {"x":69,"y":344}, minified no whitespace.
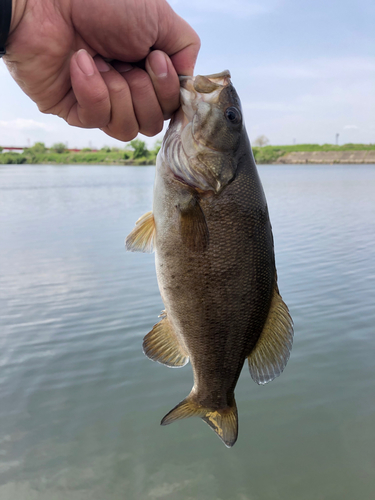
{"x":215,"y":261}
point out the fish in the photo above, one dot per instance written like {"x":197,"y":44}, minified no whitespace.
{"x":214,"y":257}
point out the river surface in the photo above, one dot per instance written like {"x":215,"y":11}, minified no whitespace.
{"x":80,"y":405}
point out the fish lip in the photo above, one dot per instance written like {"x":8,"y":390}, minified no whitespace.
{"x":223,"y":77}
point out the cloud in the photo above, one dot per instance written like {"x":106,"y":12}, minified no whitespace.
{"x":234,"y":8}
{"x":23,"y":124}
{"x":320,"y":68}
{"x":348,"y":127}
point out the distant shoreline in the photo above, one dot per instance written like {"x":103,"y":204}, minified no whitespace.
{"x":267,"y":155}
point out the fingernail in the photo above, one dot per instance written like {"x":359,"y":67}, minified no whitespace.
{"x":85,"y":63}
{"x":122,"y":67}
{"x":101,"y":65}
{"x":159,"y":65}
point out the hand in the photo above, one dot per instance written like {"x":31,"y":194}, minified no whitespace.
{"x":56,"y":51}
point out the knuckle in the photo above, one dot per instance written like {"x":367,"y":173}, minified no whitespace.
{"x":142,"y":83}
{"x":125,"y":133}
{"x":89,"y":119}
{"x":152,"y":129}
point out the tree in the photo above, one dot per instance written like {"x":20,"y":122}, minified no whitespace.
{"x":140,"y":149}
{"x":38,"y":148}
{"x":261,"y":141}
{"x":59,"y":147}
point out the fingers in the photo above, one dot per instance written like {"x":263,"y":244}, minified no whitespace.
{"x":145,"y":103}
{"x":123,"y":124}
{"x":165,"y":81}
{"x":121,"y":102}
{"x":93,"y":106}
{"x":121,"y":99}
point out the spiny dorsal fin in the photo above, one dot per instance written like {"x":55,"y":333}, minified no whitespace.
{"x":162,"y":345}
{"x":223,"y":421}
{"x":141,"y":239}
{"x":271,"y":353}
{"x":194,"y":230}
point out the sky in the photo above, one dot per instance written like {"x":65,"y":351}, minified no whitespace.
{"x":304,"y":70}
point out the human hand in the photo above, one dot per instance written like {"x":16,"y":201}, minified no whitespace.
{"x":55,"y":53}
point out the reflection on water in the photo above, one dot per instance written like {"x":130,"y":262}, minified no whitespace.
{"x":80,"y":404}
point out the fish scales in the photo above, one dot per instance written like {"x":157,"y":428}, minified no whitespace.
{"x":215,"y":261}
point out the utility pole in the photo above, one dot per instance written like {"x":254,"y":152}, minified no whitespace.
{"x":337,"y":139}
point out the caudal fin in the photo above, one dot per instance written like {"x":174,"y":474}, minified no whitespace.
{"x":224,"y":421}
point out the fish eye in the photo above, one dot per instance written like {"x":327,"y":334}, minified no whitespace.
{"x":233,"y":115}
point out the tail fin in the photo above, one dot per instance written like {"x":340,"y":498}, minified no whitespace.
{"x":224,"y":421}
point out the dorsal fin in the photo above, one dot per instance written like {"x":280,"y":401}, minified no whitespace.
{"x":271,"y":353}
{"x":141,"y":239}
{"x":162,"y":345}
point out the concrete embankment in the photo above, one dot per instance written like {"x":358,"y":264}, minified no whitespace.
{"x":328,"y":157}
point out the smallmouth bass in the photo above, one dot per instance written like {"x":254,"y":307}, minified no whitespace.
{"x":214,"y":256}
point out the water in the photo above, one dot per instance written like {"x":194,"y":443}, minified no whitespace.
{"x":80,"y":405}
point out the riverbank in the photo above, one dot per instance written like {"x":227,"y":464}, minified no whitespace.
{"x":324,"y":157}
{"x":292,"y":154}
{"x":315,"y":153}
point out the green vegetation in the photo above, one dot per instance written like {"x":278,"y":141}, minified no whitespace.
{"x":136,"y":153}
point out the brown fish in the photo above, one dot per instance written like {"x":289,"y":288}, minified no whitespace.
{"x":214,"y":257}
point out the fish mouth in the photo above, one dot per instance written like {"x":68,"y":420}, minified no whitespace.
{"x":200,"y":88}
{"x":181,"y":147}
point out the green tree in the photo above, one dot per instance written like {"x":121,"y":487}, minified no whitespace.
{"x":139,"y":148}
{"x":38,"y":148}
{"x":59,"y":147}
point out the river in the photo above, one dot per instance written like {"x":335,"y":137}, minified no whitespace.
{"x":80,"y":405}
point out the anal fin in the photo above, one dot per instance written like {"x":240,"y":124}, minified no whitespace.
{"x":141,"y":239}
{"x":162,"y":345}
{"x":272,"y":351}
{"x":223,"y":421}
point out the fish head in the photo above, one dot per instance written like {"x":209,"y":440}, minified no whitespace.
{"x":204,"y":136}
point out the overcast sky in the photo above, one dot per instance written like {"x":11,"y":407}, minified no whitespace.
{"x":305,"y":70}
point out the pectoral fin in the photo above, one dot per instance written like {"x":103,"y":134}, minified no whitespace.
{"x":223,"y":421}
{"x":162,"y":345}
{"x":194,"y":230}
{"x":271,"y":353}
{"x":141,"y":239}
